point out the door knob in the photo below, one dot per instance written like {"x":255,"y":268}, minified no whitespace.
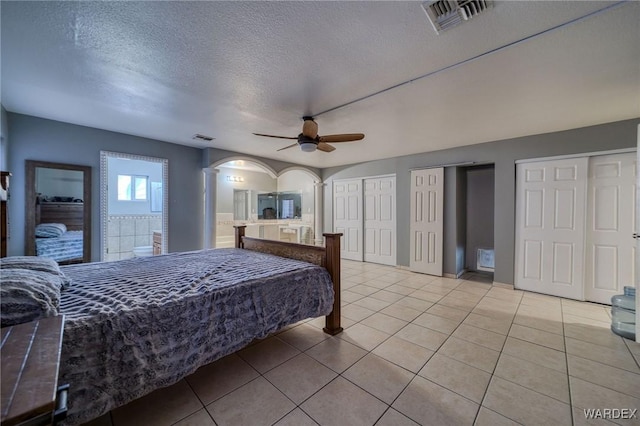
{"x":636,"y":236}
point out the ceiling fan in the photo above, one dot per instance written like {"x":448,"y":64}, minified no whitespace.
{"x":309,"y":140}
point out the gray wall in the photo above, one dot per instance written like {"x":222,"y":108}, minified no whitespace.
{"x":503,"y":154}
{"x":4,"y":139}
{"x":46,"y":140}
{"x":480,"y":214}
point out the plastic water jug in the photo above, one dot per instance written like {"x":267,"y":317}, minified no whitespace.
{"x":623,"y":313}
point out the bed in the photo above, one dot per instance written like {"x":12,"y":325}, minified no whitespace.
{"x":67,"y":247}
{"x":137,"y":325}
{"x":64,"y":244}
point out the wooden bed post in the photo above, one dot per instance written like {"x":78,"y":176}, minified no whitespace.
{"x":332,"y":250}
{"x":239,"y":234}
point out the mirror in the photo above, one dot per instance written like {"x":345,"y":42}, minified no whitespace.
{"x":58,"y":211}
{"x":280,"y":205}
{"x":289,"y":205}
{"x":267,"y":205}
{"x":133,"y":205}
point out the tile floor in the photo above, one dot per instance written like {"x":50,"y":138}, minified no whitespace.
{"x":416,"y":349}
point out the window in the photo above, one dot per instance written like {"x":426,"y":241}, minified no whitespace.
{"x":132,"y":188}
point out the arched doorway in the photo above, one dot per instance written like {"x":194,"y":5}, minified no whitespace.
{"x":280,"y":206}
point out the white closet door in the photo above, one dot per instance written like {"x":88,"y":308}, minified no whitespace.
{"x":636,"y":236}
{"x":380,"y":220}
{"x":347,"y":217}
{"x":426,"y":221}
{"x":610,"y":249}
{"x":550,"y":227}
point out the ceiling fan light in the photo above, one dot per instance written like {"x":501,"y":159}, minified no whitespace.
{"x":308,"y":146}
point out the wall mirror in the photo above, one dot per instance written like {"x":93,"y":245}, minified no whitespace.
{"x":133,"y":205}
{"x":58,"y":211}
{"x":280,"y":205}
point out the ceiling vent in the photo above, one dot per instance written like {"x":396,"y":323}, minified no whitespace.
{"x":445,"y":14}
{"x":200,"y":137}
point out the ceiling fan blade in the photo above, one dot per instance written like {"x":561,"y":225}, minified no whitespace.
{"x":325,"y":147}
{"x":289,"y":146}
{"x":346,"y":137}
{"x":273,"y":136}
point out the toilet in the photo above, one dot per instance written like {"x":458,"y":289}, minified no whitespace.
{"x":143,"y":251}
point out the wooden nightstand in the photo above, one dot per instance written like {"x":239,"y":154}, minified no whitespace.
{"x":30,"y":355}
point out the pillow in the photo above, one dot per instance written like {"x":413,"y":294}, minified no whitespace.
{"x":50,"y":230}
{"x":27,"y":295}
{"x":35,"y":263}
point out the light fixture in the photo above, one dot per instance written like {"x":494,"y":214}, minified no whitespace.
{"x":235,"y":179}
{"x":308,"y":146}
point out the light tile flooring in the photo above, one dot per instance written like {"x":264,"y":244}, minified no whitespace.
{"x":416,"y":349}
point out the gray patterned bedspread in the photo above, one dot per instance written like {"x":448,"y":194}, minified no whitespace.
{"x":137,"y":325}
{"x":67,"y":246}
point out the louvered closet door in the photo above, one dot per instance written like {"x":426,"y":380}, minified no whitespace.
{"x":550,"y":223}
{"x":347,"y":217}
{"x":426,"y":221}
{"x":610,"y":258}
{"x":380,"y":220}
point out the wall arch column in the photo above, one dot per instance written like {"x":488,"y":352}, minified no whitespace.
{"x":318,"y":212}
{"x":210,"y":190}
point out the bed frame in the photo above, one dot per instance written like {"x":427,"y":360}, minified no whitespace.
{"x":328,"y":257}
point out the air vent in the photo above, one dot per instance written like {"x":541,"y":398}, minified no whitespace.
{"x":445,"y":14}
{"x":200,"y":137}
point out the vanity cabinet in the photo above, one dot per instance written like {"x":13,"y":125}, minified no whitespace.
{"x":293,"y":233}
{"x":157,"y":243}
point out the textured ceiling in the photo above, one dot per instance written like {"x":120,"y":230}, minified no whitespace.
{"x":168,"y":70}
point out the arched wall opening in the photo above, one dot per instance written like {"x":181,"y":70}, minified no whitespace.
{"x":274,"y":205}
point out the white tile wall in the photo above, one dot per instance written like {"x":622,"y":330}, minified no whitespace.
{"x":126,"y":232}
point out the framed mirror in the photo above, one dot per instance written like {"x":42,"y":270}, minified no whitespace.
{"x":134,"y":205}
{"x":58,"y":211}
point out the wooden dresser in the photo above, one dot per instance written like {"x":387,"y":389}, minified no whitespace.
{"x":4,"y":219}
{"x":30,"y":355}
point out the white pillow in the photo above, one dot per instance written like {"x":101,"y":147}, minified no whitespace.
{"x":50,"y":230}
